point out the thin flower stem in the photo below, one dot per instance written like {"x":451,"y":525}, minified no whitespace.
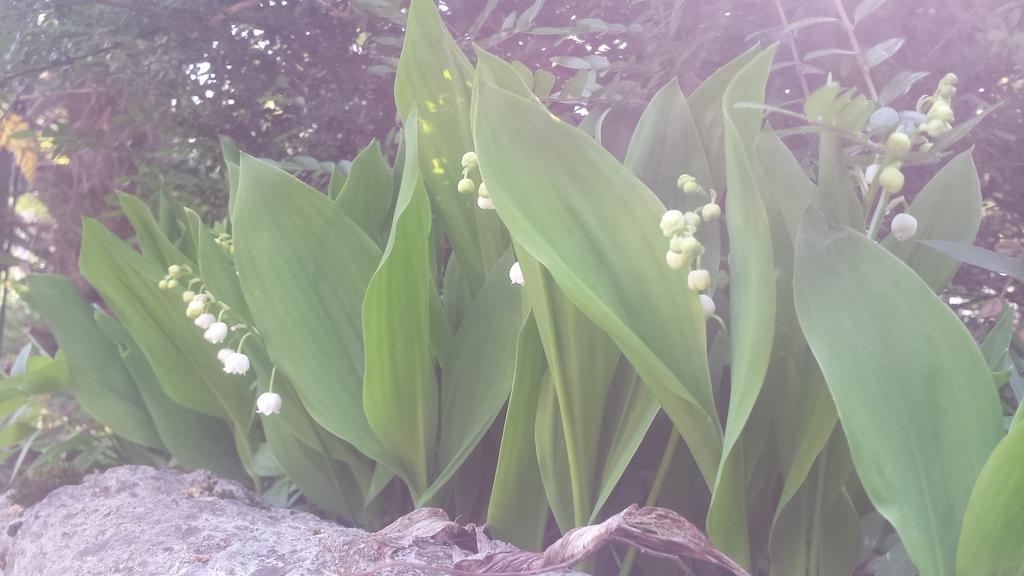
{"x":792,"y":47}
{"x":652,"y":496}
{"x":880,"y":210}
{"x":242,"y":341}
{"x":848,"y":26}
{"x":273,"y":374}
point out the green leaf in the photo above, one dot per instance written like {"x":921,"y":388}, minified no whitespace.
{"x":882,"y":51}
{"x":366,"y":197}
{"x":518,"y":509}
{"x":232,"y":158}
{"x":995,"y":346}
{"x":948,"y":208}
{"x":990,"y":539}
{"x":980,"y":257}
{"x":898,"y":86}
{"x":218,"y":271}
{"x":102,"y":384}
{"x":400,"y":394}
{"x":751,"y":300}
{"x":838,"y":198}
{"x":151,"y":239}
{"x":304,"y":267}
{"x":594,"y":227}
{"x":478,"y":370}
{"x":435,"y":78}
{"x":194,"y":439}
{"x":922,"y":381}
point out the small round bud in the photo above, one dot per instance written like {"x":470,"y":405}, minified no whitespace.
{"x":904,"y":226}
{"x":891,"y":179}
{"x":683,"y":180}
{"x":268,"y":403}
{"x":162,"y":284}
{"x":690,"y":188}
{"x":172,"y":284}
{"x":940,"y":111}
{"x":466,"y":186}
{"x":672,"y":223}
{"x":691,"y":219}
{"x":187,"y":296}
{"x":708,"y":305}
{"x":482,"y":191}
{"x":936,"y":127}
{"x":884,"y":118}
{"x":687,"y":245}
{"x":947,"y":92}
{"x":698,"y":280}
{"x":949,"y":79}
{"x":711,"y":212}
{"x":515,"y":275}
{"x":469,"y":160}
{"x":675,"y":260}
{"x":484,"y":203}
{"x":898,"y":144}
{"x":174,"y":269}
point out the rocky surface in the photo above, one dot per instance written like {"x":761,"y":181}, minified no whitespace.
{"x":138,"y":521}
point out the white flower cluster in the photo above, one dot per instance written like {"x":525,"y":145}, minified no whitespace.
{"x":467,"y":185}
{"x":683,"y":247}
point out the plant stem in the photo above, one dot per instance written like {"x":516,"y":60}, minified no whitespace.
{"x":876,"y":219}
{"x":792,"y":47}
{"x":856,"y":48}
{"x":655,"y":492}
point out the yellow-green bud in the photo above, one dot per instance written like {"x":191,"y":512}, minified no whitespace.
{"x":672,"y":223}
{"x":936,"y":127}
{"x":925,"y":147}
{"x":947,"y":92}
{"x":690,"y":187}
{"x":675,"y":260}
{"x":691,"y":219}
{"x":891,"y":179}
{"x":172,"y":284}
{"x":698,"y":280}
{"x":466,"y":186}
{"x":711,"y":212}
{"x":948,"y":80}
{"x":684,"y":245}
{"x":187,"y":296}
{"x":469,"y":160}
{"x":898,"y":144}
{"x":683,"y":180}
{"x":482,"y":191}
{"x":162,"y":284}
{"x":940,"y":111}
{"x":174,"y":269}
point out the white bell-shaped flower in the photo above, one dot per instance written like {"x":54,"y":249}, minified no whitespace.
{"x":515,"y":274}
{"x":236,"y":363}
{"x":223,"y":354}
{"x":675,"y":260}
{"x":484,"y":203}
{"x":268,"y":403}
{"x":205,"y":320}
{"x":195,"y":307}
{"x":904,"y":226}
{"x":708,"y":305}
{"x":698,"y":280}
{"x":216,"y":333}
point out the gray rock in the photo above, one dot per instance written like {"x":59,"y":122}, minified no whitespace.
{"x":138,"y":521}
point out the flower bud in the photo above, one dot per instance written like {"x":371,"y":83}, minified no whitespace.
{"x":466,"y":186}
{"x":469,"y":160}
{"x":884,"y":118}
{"x":195,"y":308}
{"x":675,"y":260}
{"x":898,"y":144}
{"x":205,"y":320}
{"x":216,"y":333}
{"x":268,"y":403}
{"x":904,"y":226}
{"x":708,"y":305}
{"x":515,"y":274}
{"x":172,"y":284}
{"x":687,"y":245}
{"x":482,"y":191}
{"x":698,"y":280}
{"x":174,"y":269}
{"x":947,"y":92}
{"x":891,"y":179}
{"x":187,"y":296}
{"x":223,"y":354}
{"x":484,"y":203}
{"x":936,"y":127}
{"x":672,"y":223}
{"x":683,"y":180}
{"x":690,"y":188}
{"x":940,"y":111}
{"x":711,"y":212}
{"x":949,"y":79}
{"x":238,"y":363}
{"x":162,"y":284}
{"x":691,"y":219}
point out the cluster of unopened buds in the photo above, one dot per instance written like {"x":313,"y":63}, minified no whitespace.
{"x":199,"y":306}
{"x":467,"y":185}
{"x":684,"y":250}
{"x":225,"y":241}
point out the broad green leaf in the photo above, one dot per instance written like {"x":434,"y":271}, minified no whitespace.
{"x":435,"y":78}
{"x":593,"y":226}
{"x":218,"y":271}
{"x":102,"y":384}
{"x":152,"y":241}
{"x":706,"y":107}
{"x":838,"y":199}
{"x":232,"y":159}
{"x":997,"y":342}
{"x":304,"y":267}
{"x":400,"y":394}
{"x":366,"y":196}
{"x":195,"y":440}
{"x":518,"y":510}
{"x":787,"y":185}
{"x":553,"y":456}
{"x":922,"y":381}
{"x":478,"y":370}
{"x":50,"y":376}
{"x":990,"y":540}
{"x":751,"y":300}
{"x":980,"y":257}
{"x":581,"y":360}
{"x":948,"y":208}
{"x":337,"y":182}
